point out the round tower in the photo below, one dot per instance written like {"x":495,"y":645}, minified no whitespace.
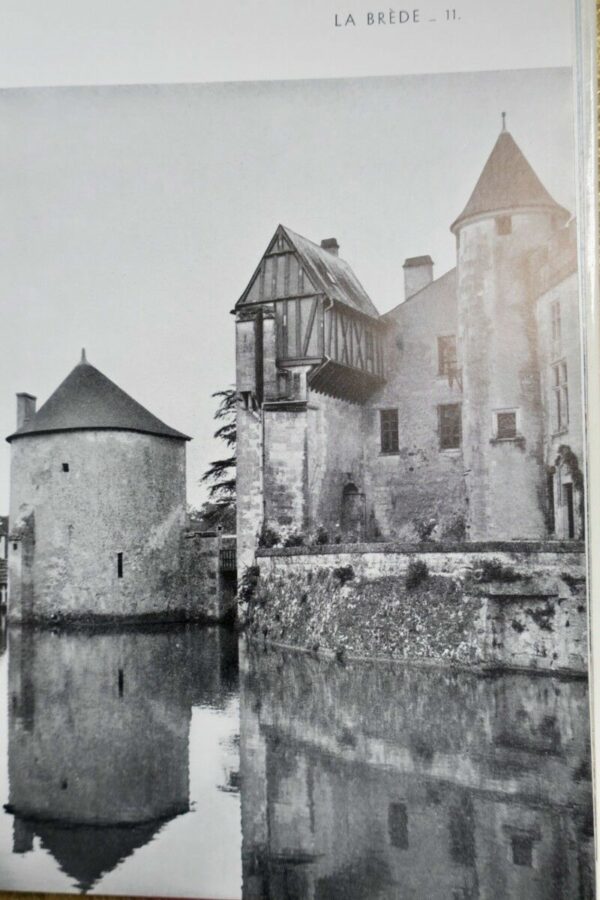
{"x":97,"y":505}
{"x":508,"y":214}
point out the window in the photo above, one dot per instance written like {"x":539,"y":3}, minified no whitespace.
{"x":119,"y":565}
{"x":446,"y":355}
{"x":449,"y":426}
{"x":506,"y":425}
{"x":389,"y":430}
{"x":503,"y":224}
{"x":398,"y":825}
{"x":65,"y":467}
{"x":561,"y":395}
{"x":556,"y":324}
{"x":522,"y":850}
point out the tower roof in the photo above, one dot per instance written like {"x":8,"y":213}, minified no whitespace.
{"x":89,"y":401}
{"x":507,"y":182}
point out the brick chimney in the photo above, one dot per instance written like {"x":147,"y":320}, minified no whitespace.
{"x":331,"y":245}
{"x":418,"y":273}
{"x":25,"y":409}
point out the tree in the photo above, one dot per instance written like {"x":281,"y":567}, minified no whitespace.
{"x":220,"y":475}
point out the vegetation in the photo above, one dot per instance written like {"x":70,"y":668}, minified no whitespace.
{"x":220,"y":475}
{"x":343,"y":574}
{"x":416,"y":573}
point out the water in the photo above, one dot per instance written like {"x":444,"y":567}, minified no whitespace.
{"x":170,"y":762}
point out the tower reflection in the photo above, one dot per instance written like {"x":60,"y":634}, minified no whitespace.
{"x":99,"y":736}
{"x":362,"y":781}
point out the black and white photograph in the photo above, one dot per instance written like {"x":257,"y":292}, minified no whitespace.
{"x":293,"y":494}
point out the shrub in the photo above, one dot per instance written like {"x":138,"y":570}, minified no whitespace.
{"x":425,"y":529}
{"x":455,"y":530}
{"x":416,"y":573}
{"x":495,"y":570}
{"x":343,"y":574}
{"x":248,"y":583}
{"x":322,"y":536}
{"x":268,"y":537}
{"x":294,"y":539}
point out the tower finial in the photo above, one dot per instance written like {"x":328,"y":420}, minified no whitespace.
{"x":503,"y":121}
{"x":83,"y":357}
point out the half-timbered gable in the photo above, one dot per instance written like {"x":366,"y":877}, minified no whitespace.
{"x":324,"y":318}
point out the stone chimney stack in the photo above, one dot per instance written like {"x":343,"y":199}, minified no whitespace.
{"x":25,"y":409}
{"x":418,"y":273}
{"x":331,"y":245}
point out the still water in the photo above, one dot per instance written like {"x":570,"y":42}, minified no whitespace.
{"x":177,"y":762}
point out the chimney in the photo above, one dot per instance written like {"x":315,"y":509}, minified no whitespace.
{"x":418,"y":273}
{"x":331,"y":245}
{"x":25,"y":409}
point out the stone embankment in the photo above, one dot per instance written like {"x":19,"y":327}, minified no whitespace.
{"x":502,"y":605}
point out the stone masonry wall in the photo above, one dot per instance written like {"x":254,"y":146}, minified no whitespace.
{"x":420,"y":485}
{"x":502,"y":605}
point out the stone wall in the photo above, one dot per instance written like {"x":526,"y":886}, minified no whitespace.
{"x":123,"y":494}
{"x":483,"y":605}
{"x":420,"y":485}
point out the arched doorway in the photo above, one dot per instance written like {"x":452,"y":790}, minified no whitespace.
{"x":353,"y":513}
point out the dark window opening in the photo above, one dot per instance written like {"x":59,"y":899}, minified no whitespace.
{"x":65,"y":467}
{"x":446,"y":355}
{"x":388,"y":420}
{"x":503,"y":224}
{"x":121,"y":682}
{"x":450,"y":426}
{"x":561,"y":395}
{"x":398,"y":825}
{"x":64,"y":785}
{"x":522,"y":850}
{"x":506,"y":425}
{"x":551,"y":505}
{"x":568,"y":489}
{"x":15,"y":546}
{"x":119,"y":565}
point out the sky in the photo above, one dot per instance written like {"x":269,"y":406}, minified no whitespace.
{"x":132,"y":218}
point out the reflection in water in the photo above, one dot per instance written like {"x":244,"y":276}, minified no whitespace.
{"x":357,"y":781}
{"x":364,"y":781}
{"x":99,"y":737}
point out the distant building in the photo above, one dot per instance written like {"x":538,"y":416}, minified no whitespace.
{"x":97,"y":507}
{"x":455,"y":416}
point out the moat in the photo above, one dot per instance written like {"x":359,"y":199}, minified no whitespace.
{"x":189,"y":762}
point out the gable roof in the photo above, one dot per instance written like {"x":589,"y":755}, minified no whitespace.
{"x":507,"y":181}
{"x":328,"y":273}
{"x":89,"y":401}
{"x":331,"y":274}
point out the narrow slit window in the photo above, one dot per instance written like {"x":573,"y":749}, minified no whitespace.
{"x":121,"y":682}
{"x":65,"y":467}
{"x":389,"y":430}
{"x":119,"y":565}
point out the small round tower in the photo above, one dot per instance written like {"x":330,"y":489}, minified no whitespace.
{"x":97,"y":505}
{"x":508,"y":214}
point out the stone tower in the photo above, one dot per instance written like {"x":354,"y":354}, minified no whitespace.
{"x":97,"y":504}
{"x":508,"y":215}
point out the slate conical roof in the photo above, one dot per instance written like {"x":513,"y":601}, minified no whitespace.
{"x":89,"y":401}
{"x":507,"y":182}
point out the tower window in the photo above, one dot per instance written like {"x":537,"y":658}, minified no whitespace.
{"x":65,"y":467}
{"x":446,"y":354}
{"x":398,"y":825}
{"x":506,"y":425}
{"x":561,"y":395}
{"x":119,"y":565}
{"x":449,"y":426}
{"x":503,"y":224}
{"x":388,"y":421}
{"x":522,"y":850}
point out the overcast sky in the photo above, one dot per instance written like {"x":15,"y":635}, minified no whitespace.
{"x":133,"y":217}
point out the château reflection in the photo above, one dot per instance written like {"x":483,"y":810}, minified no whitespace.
{"x":367,"y":781}
{"x":99,"y":736}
